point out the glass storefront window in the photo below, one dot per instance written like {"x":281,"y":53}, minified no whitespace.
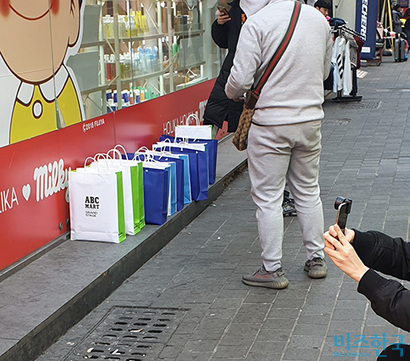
{"x":136,"y":50}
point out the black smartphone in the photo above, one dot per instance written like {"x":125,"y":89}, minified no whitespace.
{"x":343,"y":206}
{"x":223,"y":10}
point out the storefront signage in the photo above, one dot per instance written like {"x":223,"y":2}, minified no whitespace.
{"x":366,"y":17}
{"x":34,"y":208}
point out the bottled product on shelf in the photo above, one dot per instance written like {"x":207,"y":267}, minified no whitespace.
{"x":134,"y":95}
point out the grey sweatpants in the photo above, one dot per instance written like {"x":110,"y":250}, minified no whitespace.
{"x":280,"y":154}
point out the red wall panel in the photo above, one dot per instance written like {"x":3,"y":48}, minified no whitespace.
{"x":33,"y":182}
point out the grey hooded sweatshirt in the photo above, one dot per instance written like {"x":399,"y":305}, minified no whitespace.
{"x":294,"y":92}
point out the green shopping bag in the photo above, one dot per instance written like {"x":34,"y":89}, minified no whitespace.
{"x":137,"y":174}
{"x":133,"y":201}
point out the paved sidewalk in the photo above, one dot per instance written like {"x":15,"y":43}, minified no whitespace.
{"x":188,"y":302}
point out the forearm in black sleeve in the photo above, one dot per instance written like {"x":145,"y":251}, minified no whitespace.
{"x":389,"y":299}
{"x":220,"y":34}
{"x":383,"y":253}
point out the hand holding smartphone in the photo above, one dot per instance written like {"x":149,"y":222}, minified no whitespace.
{"x":343,"y":206}
{"x":223,"y":10}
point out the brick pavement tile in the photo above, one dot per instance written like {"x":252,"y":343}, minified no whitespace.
{"x":305,"y":329}
{"x":289,"y":302}
{"x":233,"y":293}
{"x":222,"y":313}
{"x":230,"y":352}
{"x":276,"y":335}
{"x":337,"y":327}
{"x":187,"y":327}
{"x":317,"y":318}
{"x":201,"y":345}
{"x":278,"y":323}
{"x":375,"y":321}
{"x":299,"y":353}
{"x":277,"y":312}
{"x":240,"y":334}
{"x":226,"y":303}
{"x":198,"y":297}
{"x":310,"y":340}
{"x":318,"y":309}
{"x":192,"y":356}
{"x":389,"y":330}
{"x":269,"y":350}
{"x":261,"y":297}
{"x":210,"y":329}
{"x":252,"y":313}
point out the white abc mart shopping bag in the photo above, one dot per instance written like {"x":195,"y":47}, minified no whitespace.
{"x":96,"y":205}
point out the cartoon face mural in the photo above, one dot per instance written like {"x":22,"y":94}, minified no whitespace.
{"x":43,"y":34}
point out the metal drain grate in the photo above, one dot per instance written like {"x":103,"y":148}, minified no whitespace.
{"x":129,"y":334}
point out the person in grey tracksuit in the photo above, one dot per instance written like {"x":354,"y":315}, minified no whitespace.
{"x":284,"y":140}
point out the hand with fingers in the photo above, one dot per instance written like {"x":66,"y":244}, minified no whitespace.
{"x":223,"y":17}
{"x":339,"y":249}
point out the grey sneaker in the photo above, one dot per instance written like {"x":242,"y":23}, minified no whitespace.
{"x":316,"y":268}
{"x":263,"y":278}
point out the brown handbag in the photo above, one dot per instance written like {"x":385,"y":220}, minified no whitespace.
{"x":240,"y":137}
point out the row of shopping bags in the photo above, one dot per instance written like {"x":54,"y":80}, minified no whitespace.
{"x":192,"y":168}
{"x":118,"y":192}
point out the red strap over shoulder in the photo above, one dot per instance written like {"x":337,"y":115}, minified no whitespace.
{"x":282,"y":47}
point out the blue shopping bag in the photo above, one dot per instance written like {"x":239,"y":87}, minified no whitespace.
{"x":212,"y":147}
{"x":179,"y":177}
{"x":212,"y":155}
{"x":172,"y":197}
{"x":187,"y":178}
{"x":182,"y":172}
{"x":156,"y":194}
{"x":198,"y":168}
{"x":185,"y":144}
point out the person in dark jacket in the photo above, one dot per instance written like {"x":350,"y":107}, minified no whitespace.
{"x":360,"y":255}
{"x":396,"y":14}
{"x":225,"y":33}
